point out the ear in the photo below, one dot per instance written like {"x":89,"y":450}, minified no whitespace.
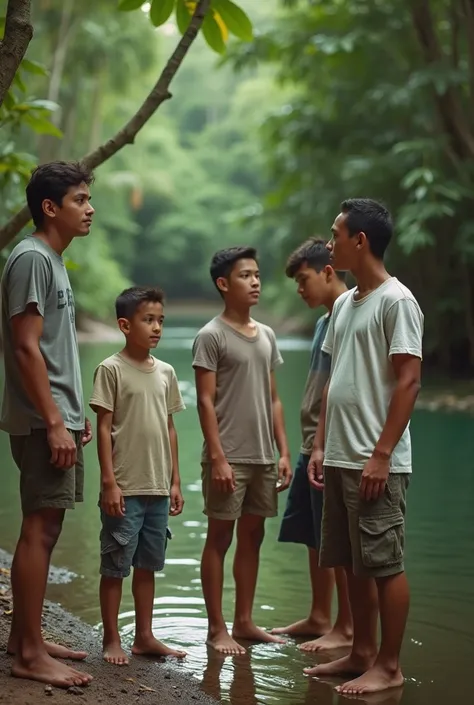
{"x":329,"y":272}
{"x":361,"y":241}
{"x":222,"y":284}
{"x":124,"y":325}
{"x":49,"y":208}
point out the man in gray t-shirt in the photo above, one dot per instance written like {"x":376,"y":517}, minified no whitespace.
{"x":43,"y":408}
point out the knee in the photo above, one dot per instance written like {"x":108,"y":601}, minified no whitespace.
{"x":252,"y":535}
{"x":220,"y":541}
{"x":42,"y":532}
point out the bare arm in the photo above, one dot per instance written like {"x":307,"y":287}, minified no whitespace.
{"x":315,"y":465}
{"x":111,"y":497}
{"x":27,"y":329}
{"x":284,"y":465}
{"x":176,"y":498}
{"x":222,"y":473}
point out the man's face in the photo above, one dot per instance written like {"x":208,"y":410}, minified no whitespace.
{"x":145,"y":327}
{"x":74,"y":217}
{"x":312,"y":285}
{"x":342,"y":247}
{"x":242,"y":286}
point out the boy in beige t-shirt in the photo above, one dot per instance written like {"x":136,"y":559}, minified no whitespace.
{"x":135,"y":396}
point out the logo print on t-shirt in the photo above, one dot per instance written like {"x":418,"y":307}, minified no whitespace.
{"x":66,"y":298}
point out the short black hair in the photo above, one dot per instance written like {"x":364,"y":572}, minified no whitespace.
{"x":129,"y":301}
{"x":372,"y":218}
{"x":52,"y":181}
{"x":312,"y":252}
{"x":223,"y":261}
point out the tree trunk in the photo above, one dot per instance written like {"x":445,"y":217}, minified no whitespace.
{"x":17,"y":36}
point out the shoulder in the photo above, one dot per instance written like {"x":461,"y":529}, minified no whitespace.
{"x":266,"y":331}
{"x":211,"y":332}
{"x":342,"y":301}
{"x":110,"y":365}
{"x":321,"y":323}
{"x":164,"y":368}
{"x":28,"y":252}
{"x":398,"y":293}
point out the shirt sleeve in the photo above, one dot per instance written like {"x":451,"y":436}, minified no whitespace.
{"x":174,"y":399}
{"x":206,"y":351}
{"x":328,"y":342}
{"x":104,"y":391}
{"x":277,"y":359}
{"x":404,"y":328}
{"x":29,"y":281}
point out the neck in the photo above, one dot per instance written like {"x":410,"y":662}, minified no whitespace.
{"x":370,"y":274}
{"x":241,"y":316}
{"x":54,"y":239}
{"x":135,"y":352}
{"x":338,"y":289}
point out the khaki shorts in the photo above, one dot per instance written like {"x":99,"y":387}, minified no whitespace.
{"x":42,"y":485}
{"x":369,"y":536}
{"x":255,"y":493}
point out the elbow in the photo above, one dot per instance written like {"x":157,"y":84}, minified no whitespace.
{"x":25,"y":351}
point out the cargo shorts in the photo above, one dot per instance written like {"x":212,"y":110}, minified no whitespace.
{"x":367,"y":535}
{"x":43,"y":485}
{"x":255,"y":492}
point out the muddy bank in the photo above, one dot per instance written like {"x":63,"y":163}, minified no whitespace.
{"x":142,"y":681}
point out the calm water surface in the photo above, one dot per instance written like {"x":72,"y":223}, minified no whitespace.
{"x":439,"y":646}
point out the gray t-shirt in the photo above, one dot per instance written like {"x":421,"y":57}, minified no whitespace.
{"x":362,"y":337}
{"x":34,"y":273}
{"x":243,"y":401}
{"x":318,"y":375}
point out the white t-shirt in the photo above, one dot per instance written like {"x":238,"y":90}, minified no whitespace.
{"x":361,"y":338}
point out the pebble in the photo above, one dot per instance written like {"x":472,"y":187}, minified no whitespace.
{"x":48,"y":689}
{"x":74,"y":690}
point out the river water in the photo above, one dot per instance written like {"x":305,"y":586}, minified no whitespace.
{"x":439,"y":646}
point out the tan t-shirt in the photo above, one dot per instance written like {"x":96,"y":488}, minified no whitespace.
{"x":141,"y":401}
{"x":243,"y":400}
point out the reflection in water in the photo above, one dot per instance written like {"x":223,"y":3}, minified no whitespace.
{"x":439,"y":646}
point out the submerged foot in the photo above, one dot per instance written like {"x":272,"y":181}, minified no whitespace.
{"x":46,"y":669}
{"x":374,"y":680}
{"x":223,"y":643}
{"x":335,"y":639}
{"x":348,"y":665}
{"x":54,"y":650}
{"x":250,"y":632}
{"x":151,"y":646}
{"x":305,"y":627}
{"x":113,"y":653}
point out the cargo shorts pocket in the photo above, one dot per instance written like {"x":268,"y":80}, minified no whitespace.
{"x":382,"y":539}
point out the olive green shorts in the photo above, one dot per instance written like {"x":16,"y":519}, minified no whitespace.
{"x":42,"y":485}
{"x":255,"y":493}
{"x":369,"y":536}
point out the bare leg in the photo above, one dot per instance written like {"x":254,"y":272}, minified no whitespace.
{"x":394,"y":599}
{"x":56,"y":650}
{"x":250,"y":533}
{"x":39,"y":534}
{"x":322,"y":585}
{"x":219,"y":538}
{"x":340,"y":635}
{"x":145,"y":644}
{"x":110,"y":596}
{"x":364,"y":605}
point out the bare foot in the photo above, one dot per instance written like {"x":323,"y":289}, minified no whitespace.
{"x":113,"y":653}
{"x":46,"y":669}
{"x":56,"y":651}
{"x":223,"y":643}
{"x":375,"y":680}
{"x":335,"y":639}
{"x":250,"y":632}
{"x":305,"y":627}
{"x":349,"y":665}
{"x":153,"y":647}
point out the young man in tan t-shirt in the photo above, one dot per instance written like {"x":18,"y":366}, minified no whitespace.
{"x":135,"y":396}
{"x":241,"y":416}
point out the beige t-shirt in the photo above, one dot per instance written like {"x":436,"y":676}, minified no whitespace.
{"x":141,"y":401}
{"x":243,"y":400}
{"x":361,"y":339}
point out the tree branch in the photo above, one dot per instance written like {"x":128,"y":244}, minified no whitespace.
{"x":127,"y":134}
{"x":449,"y":105}
{"x":18,"y":34}
{"x":468,"y":6}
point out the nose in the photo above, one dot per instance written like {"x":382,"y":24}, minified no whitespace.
{"x":90,"y":210}
{"x":300,"y":289}
{"x":329,"y":245}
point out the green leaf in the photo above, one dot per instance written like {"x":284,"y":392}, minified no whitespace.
{"x":9,"y":100}
{"x":160,"y":11}
{"x":18,"y":81}
{"x":212,"y":34}
{"x":183,"y":17}
{"x":42,"y":126}
{"x":33,"y":67}
{"x":128,"y":5}
{"x":71,"y":265}
{"x":235,"y":18}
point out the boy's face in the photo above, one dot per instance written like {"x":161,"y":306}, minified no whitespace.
{"x":242,"y":286}
{"x":345,"y":250}
{"x":145,"y":327}
{"x":313,"y":286}
{"x":74,"y":217}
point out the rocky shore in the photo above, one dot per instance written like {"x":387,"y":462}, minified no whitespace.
{"x":143,"y":681}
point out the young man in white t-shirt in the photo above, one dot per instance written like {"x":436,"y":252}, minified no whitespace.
{"x":363,"y":442}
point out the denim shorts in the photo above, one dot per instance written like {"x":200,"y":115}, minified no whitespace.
{"x":301,"y":521}
{"x":138,"y":539}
